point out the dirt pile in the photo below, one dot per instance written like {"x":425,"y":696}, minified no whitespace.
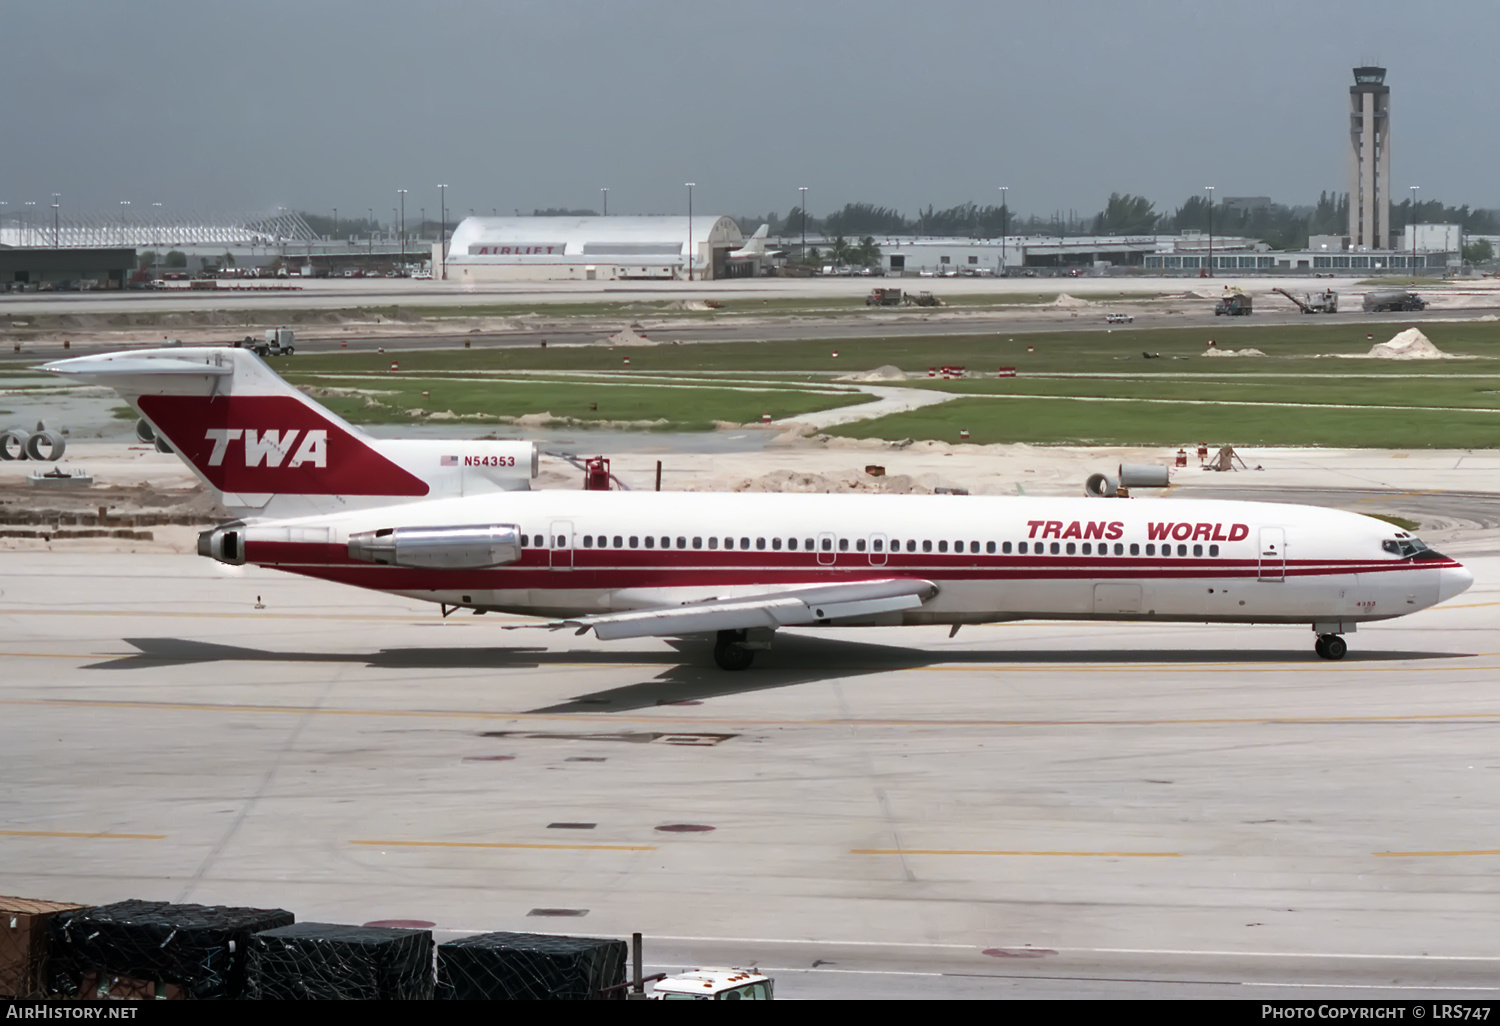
{"x":630,"y":336}
{"x":1410,"y":344}
{"x":887,"y":372}
{"x":1233,"y":352}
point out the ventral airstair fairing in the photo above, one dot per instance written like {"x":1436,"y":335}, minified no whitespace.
{"x":458,"y":523}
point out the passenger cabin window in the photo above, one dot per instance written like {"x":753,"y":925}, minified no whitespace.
{"x":1213,"y":550}
{"x":1182,"y":550}
{"x":776,"y":544}
{"x":1150,"y":549}
{"x":697,"y":543}
{"x":760,"y":543}
{"x":1197,"y":550}
{"x":1088,"y":548}
{"x":942,"y":546}
{"x":859,"y":546}
{"x":562,"y":541}
{"x":745,"y":544}
{"x":1072,"y":548}
{"x":1054,"y":548}
{"x":588,"y":541}
{"x":989,"y":548}
{"x":926,"y":546}
{"x":713,"y":543}
{"x":879,"y":544}
{"x":1021,"y":548}
{"x":911,"y":545}
{"x":650,"y":542}
{"x":1005,"y":548}
{"x":843,"y":545}
{"x":634,"y":541}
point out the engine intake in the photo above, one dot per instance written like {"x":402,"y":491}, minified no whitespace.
{"x":439,"y":548}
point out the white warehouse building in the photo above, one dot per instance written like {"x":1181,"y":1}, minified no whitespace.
{"x":593,"y":248}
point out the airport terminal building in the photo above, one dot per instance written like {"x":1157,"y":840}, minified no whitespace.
{"x":593,"y":249}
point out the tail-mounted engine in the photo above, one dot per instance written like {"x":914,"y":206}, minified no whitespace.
{"x":439,"y":548}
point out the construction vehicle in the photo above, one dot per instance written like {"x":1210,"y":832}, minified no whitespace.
{"x":1326,"y":301}
{"x":921,"y":299}
{"x":1234,"y":304}
{"x":1393,"y":299}
{"x":883,"y":297}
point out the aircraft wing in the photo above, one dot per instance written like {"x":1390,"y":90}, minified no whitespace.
{"x":771,"y":609}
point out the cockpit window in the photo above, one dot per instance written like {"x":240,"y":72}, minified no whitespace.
{"x":1408,"y":547}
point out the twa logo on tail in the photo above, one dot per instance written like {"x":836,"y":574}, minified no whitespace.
{"x":229,"y":440}
{"x":271,"y":446}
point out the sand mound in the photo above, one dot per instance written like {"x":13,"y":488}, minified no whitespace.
{"x":1233,"y":352}
{"x":627,"y":337}
{"x":1410,"y":344}
{"x":1070,"y":302}
{"x":887,"y":372}
{"x":849,"y":481}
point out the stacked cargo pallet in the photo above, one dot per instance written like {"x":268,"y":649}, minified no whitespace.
{"x":23,"y":945}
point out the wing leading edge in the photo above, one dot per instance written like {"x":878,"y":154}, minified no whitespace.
{"x":770,"y":610}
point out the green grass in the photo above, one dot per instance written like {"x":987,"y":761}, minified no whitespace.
{"x":682,"y":409}
{"x":124,"y":413}
{"x":1044,"y":421}
{"x":1401,"y":522}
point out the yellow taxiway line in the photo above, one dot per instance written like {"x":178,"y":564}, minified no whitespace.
{"x":83,"y":834}
{"x":988,"y":851}
{"x":506,"y":845}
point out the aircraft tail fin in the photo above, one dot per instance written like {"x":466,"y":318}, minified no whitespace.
{"x":266,"y":448}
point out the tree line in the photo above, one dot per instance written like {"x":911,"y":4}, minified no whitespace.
{"x":1279,"y":225}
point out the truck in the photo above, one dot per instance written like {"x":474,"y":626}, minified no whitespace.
{"x":883,"y":297}
{"x":278,"y":342}
{"x":1381,"y":300}
{"x":1234,"y":304}
{"x":1326,"y":301}
{"x":715,"y":985}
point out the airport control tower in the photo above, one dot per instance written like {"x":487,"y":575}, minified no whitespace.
{"x":1370,"y":137}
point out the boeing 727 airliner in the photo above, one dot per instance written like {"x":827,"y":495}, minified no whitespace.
{"x":457,"y":523}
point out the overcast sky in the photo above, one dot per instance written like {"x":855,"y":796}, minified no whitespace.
{"x":323,"y":103}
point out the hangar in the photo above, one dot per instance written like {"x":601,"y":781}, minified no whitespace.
{"x":593,"y":248}
{"x":105,"y":268}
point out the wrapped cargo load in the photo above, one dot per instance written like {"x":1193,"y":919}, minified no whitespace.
{"x":331,"y":961}
{"x":23,"y":945}
{"x":141,"y":948}
{"x":529,"y":967}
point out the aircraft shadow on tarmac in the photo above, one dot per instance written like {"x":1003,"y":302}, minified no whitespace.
{"x":688,"y":675}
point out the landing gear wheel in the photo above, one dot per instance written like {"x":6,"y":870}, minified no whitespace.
{"x":1331,"y":646}
{"x":730,"y":654}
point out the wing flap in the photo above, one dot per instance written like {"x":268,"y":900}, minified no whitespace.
{"x":770,"y":610}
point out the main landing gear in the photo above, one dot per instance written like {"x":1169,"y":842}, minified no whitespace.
{"x":1330,"y":646}
{"x":735,"y":650}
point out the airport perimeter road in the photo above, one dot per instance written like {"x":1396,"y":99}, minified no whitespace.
{"x":1031,"y":810}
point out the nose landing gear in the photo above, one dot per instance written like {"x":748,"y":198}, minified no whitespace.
{"x":1331,"y":646}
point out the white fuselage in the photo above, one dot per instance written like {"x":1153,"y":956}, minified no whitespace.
{"x":991,"y":559}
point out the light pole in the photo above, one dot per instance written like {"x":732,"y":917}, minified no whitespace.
{"x":802,"y":206}
{"x":1210,"y":190}
{"x":335,"y":224}
{"x":370,"y":231}
{"x":690,"y":228}
{"x":443,"y":228}
{"x":605,"y":193}
{"x":402,"y":194}
{"x":1004,"y":224}
{"x":56,"y":206}
{"x":1412,"y":220}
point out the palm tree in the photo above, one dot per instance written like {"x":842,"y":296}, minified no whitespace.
{"x":840,"y":250}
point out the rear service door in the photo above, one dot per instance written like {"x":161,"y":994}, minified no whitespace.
{"x":877,"y":549}
{"x":560,"y":543}
{"x":1272,"y":554}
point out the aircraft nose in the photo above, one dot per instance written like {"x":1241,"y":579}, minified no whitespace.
{"x":1454,"y":580}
